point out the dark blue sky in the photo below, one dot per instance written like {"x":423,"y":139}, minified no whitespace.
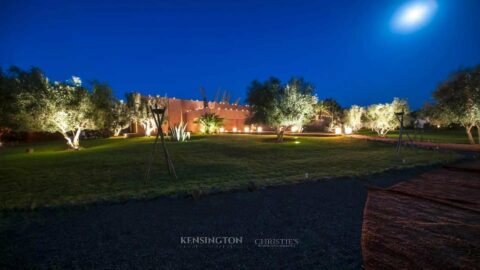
{"x":347,"y":48}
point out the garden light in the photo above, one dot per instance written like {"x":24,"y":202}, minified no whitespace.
{"x":348,"y":130}
{"x":259,"y":129}
{"x":338,"y":131}
{"x":246,"y":129}
{"x":222,"y":129}
{"x":234,"y":129}
{"x":294,"y":129}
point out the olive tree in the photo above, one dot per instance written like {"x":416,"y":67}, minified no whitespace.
{"x":332,"y":110}
{"x":140,"y":110}
{"x":122,"y":117}
{"x":457,"y":100}
{"x":7,"y":104}
{"x":381,"y":118}
{"x":105,"y":105}
{"x":353,"y":117}
{"x":66,"y":108}
{"x":281,"y":106}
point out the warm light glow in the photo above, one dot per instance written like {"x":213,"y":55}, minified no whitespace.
{"x":338,"y":131}
{"x":438,"y":126}
{"x":259,"y":129}
{"x":297,"y":142}
{"x":348,"y":130}
{"x":295,"y":129}
{"x":234,"y":129}
{"x":413,"y":15}
{"x":222,"y":129}
{"x":246,"y":129}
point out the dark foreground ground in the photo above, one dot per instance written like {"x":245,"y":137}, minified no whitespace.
{"x":325,"y":216}
{"x":431,"y":221}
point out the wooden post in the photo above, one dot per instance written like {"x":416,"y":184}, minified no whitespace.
{"x":158,"y":116}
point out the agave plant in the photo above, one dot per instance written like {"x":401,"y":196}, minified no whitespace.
{"x":210,"y":123}
{"x":179,"y":133}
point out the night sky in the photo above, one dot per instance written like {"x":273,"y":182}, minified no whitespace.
{"x":350,"y":50}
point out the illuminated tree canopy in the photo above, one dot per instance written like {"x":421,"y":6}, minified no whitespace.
{"x":140,"y":110}
{"x":457,"y":100}
{"x":281,"y":106}
{"x":353,"y":117}
{"x":381,"y":117}
{"x":332,"y":110}
{"x":60,"y":107}
{"x":32,"y":103}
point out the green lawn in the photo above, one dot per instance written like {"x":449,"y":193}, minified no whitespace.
{"x":432,"y":135}
{"x":113,"y":169}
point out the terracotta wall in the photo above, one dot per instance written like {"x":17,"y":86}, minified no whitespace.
{"x":188,"y":111}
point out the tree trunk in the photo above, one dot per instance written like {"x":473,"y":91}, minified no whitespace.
{"x":478,"y":133}
{"x":76,"y":139}
{"x":280,"y":132}
{"x":469,"y":134}
{"x":117,"y":131}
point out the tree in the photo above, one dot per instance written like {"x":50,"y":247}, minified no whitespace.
{"x":332,"y":110}
{"x":140,"y":110}
{"x":457,"y":100}
{"x":56,"y":107}
{"x":121,"y":117}
{"x":12,"y":84}
{"x":7,"y":104}
{"x":353,"y":117}
{"x":381,"y":117}
{"x":105,"y":105}
{"x":210,"y":123}
{"x":281,"y":106}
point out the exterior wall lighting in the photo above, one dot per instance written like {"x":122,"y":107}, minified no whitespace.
{"x":222,"y":129}
{"x":234,"y":129}
{"x":259,"y":129}
{"x":246,"y":129}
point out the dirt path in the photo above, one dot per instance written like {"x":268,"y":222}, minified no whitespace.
{"x":324,"y":216}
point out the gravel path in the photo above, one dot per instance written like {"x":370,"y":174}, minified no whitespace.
{"x":324,"y":216}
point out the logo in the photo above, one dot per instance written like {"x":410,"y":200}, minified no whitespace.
{"x":277,"y":242}
{"x":211,"y":241}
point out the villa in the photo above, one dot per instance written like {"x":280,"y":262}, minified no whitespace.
{"x":188,"y":111}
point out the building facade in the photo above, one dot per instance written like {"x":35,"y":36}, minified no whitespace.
{"x":189,"y":111}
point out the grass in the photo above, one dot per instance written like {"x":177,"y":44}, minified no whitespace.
{"x":432,"y":135}
{"x":113,"y":169}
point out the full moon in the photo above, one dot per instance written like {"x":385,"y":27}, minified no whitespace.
{"x":413,"y":15}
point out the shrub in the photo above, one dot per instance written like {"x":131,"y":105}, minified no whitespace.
{"x":210,"y":123}
{"x":179,"y":133}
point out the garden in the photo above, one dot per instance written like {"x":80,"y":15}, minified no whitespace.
{"x":114,"y":169}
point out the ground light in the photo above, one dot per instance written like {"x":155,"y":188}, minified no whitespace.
{"x":338,"y":131}
{"x":348,"y":130}
{"x":259,"y":129}
{"x":222,"y":129}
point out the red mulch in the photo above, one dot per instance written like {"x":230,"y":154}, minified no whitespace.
{"x":429,"y":222}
